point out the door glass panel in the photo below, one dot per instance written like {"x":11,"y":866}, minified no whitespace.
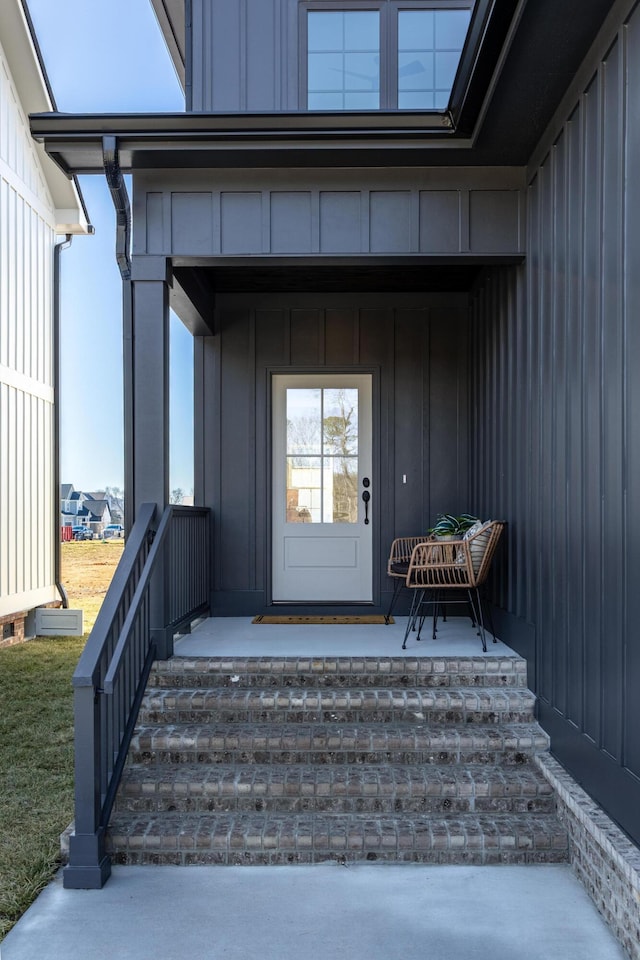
{"x":304,"y":422}
{"x":340,"y":416}
{"x":304,"y":490}
{"x":340,"y":482}
{"x":322,"y":455}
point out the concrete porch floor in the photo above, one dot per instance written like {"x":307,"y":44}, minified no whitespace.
{"x":237,"y":636}
{"x":324,"y":912}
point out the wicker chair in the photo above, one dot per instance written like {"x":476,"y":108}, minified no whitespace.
{"x":437,"y":566}
{"x":398,"y":565}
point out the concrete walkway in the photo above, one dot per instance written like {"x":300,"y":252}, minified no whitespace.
{"x":326,"y":912}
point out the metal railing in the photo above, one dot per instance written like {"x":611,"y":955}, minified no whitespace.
{"x":139,"y":615}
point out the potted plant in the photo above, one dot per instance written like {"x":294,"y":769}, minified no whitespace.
{"x":451,"y":527}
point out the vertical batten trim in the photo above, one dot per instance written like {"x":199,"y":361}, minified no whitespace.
{"x":266,"y":221}
{"x":243,"y":39}
{"x":365,"y":220}
{"x":216,"y":221}
{"x":464,"y":211}
{"x":315,"y":220}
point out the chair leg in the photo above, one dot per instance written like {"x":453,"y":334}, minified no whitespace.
{"x":477,"y":608}
{"x":413,"y":614}
{"x":491,"y":627}
{"x":396,"y":591}
{"x":436,"y":607}
{"x":423,"y":617}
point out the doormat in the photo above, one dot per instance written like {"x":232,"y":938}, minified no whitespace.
{"x":371,"y":618}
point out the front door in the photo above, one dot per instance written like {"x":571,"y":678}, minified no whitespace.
{"x":322,"y":543}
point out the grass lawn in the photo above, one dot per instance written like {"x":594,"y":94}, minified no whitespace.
{"x":36,"y":735}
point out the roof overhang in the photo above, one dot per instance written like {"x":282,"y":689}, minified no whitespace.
{"x":165,"y":141}
{"x":28,"y":74}
{"x":519,"y":62}
{"x":171,"y":18}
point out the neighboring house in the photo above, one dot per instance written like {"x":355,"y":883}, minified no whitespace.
{"x":91,"y":510}
{"x":97,"y":513}
{"x":353,"y":208}
{"x":37,"y":202}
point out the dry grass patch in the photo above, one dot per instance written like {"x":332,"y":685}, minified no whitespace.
{"x":36,"y":736}
{"x":87,"y":569}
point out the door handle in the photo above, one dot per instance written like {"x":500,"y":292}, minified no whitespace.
{"x":366,"y":496}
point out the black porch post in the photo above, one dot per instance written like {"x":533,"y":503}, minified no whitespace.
{"x":149,"y":443}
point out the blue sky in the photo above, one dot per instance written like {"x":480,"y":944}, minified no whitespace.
{"x":107,"y":57}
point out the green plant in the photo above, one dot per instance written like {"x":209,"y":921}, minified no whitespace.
{"x":449,"y":525}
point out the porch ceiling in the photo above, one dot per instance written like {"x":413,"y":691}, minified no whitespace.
{"x":311,"y":278}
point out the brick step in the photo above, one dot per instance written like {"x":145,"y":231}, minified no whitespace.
{"x":252,"y":838}
{"x":308,"y":672}
{"x":418,"y":742}
{"x":339,"y":789}
{"x":289,"y":705}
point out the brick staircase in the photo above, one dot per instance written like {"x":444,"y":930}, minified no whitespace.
{"x":292,"y":760}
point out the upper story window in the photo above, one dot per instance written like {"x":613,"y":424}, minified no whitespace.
{"x":384,"y":54}
{"x":343,"y":60}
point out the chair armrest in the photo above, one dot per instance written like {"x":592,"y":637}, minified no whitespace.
{"x":439,"y":563}
{"x":401,"y":550}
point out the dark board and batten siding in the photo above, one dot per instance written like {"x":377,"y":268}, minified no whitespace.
{"x":416,"y":347}
{"x":244,"y":55}
{"x":458,"y":212}
{"x":556,"y":432}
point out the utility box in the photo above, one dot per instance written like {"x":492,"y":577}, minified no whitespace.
{"x":58,"y":622}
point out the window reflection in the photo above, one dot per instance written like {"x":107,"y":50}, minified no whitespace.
{"x":343,"y":64}
{"x":429,"y":46}
{"x":322,"y":455}
{"x":349,"y":62}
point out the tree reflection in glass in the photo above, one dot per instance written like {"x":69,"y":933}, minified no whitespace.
{"x":322,"y":455}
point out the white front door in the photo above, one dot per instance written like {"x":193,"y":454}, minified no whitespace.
{"x":321,"y":469}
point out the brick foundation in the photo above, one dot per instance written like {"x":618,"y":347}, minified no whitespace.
{"x":603,"y":858}
{"x":12,"y":629}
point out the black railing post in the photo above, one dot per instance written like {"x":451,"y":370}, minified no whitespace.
{"x":89,"y":866}
{"x":161,"y":634}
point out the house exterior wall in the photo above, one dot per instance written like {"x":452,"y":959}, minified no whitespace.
{"x":27,"y":236}
{"x":440,"y":212}
{"x":244,"y":56}
{"x":414,"y":345}
{"x":556,"y":437}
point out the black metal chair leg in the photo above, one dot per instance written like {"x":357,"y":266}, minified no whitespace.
{"x":413,"y":613}
{"x":436,"y":608}
{"x":396,"y":590}
{"x":478,"y":613}
{"x":491,"y":627}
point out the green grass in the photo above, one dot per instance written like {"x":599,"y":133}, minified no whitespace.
{"x":36,"y":736}
{"x":36,"y":766}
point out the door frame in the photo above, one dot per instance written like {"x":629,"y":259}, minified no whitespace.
{"x":376,"y":473}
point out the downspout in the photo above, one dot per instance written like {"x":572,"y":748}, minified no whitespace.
{"x":120,"y":197}
{"x":57,"y":563}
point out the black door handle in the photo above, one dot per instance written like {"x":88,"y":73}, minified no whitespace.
{"x":366,"y":496}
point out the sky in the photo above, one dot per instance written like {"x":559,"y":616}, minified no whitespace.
{"x":92,"y":54}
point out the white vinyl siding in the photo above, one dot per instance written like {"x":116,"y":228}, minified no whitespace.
{"x":27,"y":236}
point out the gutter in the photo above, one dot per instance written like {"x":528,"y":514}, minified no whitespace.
{"x":57,"y":250}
